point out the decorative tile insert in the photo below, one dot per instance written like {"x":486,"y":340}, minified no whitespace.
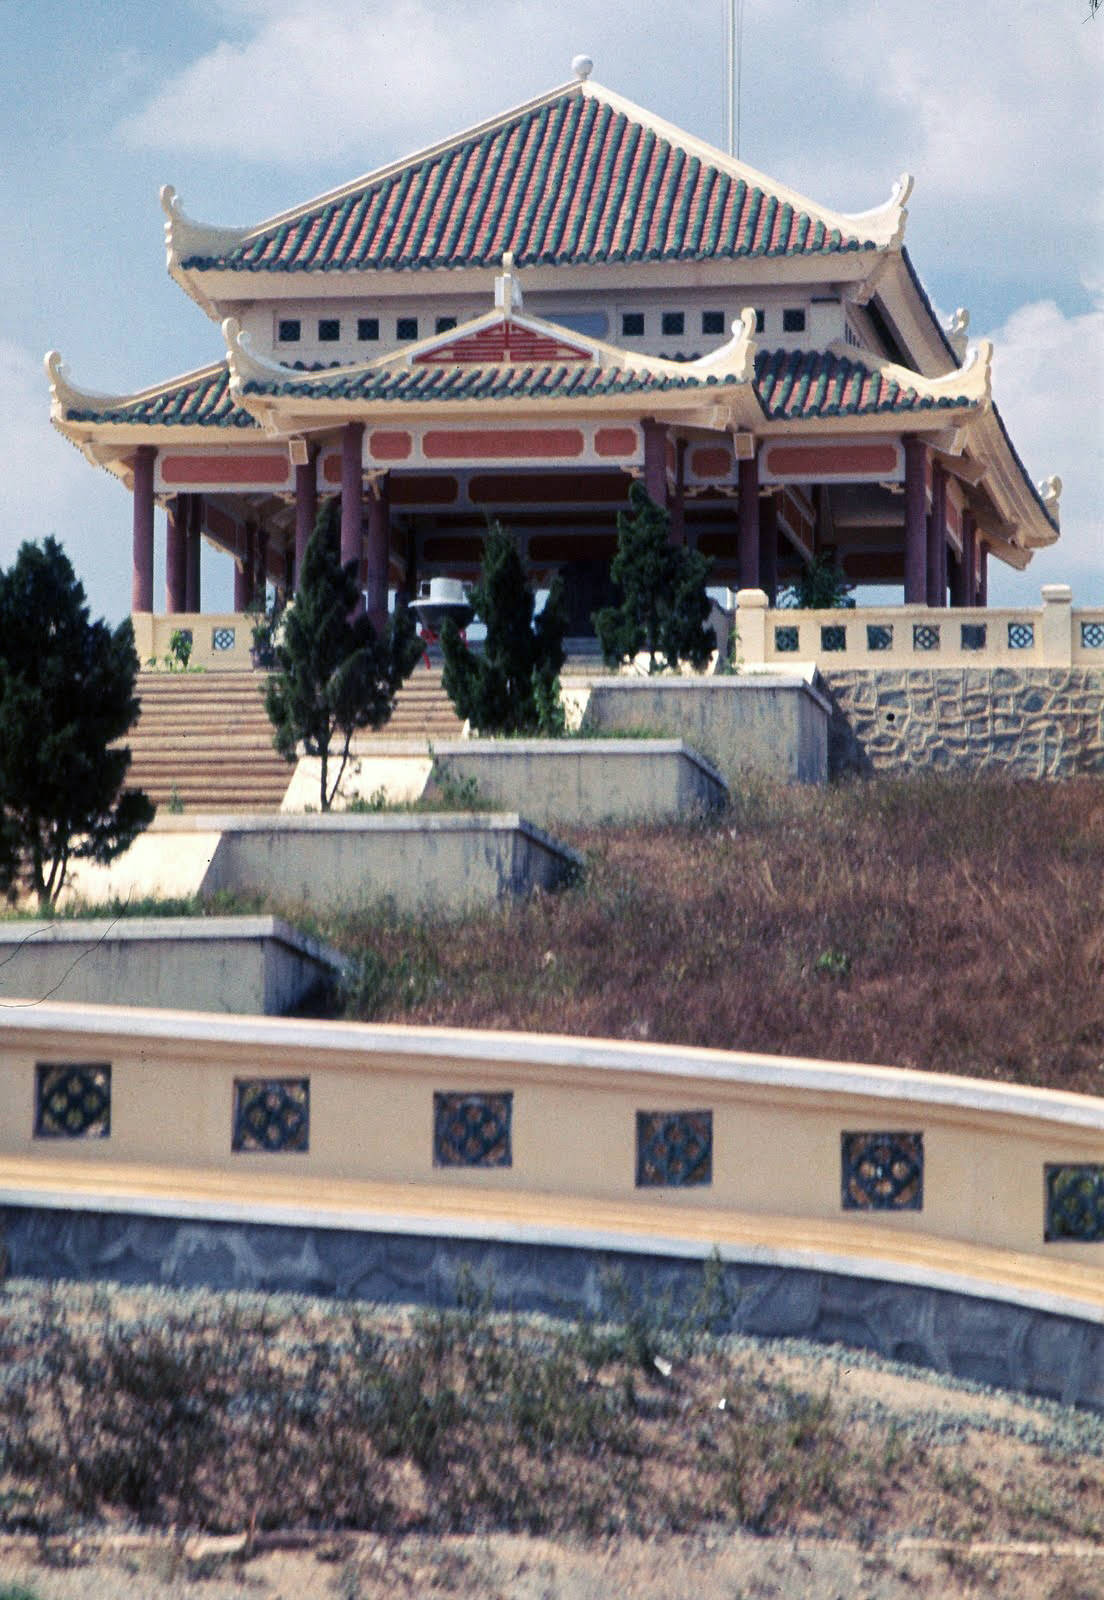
{"x":1021,"y":636}
{"x":674,"y":1149}
{"x":472,"y":1130}
{"x":879,"y":636}
{"x":833,"y":637}
{"x":223,"y":638}
{"x":882,"y":1171}
{"x":925,"y":636}
{"x":1075,"y":1202}
{"x":72,"y":1100}
{"x":974,"y":635}
{"x":1092,"y":636}
{"x":785,"y":640}
{"x":271,"y":1114}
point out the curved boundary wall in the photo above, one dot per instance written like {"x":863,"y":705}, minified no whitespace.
{"x":939,"y":1219}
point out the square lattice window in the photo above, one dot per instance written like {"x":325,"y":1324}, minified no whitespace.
{"x":72,"y":1100}
{"x":1021,"y":635}
{"x":289,"y":330}
{"x":367,"y":328}
{"x":1092,"y":636}
{"x":632,"y":324}
{"x":1075,"y":1202}
{"x":406,"y":328}
{"x":925,"y":636}
{"x":974,"y":635}
{"x":713,"y":322}
{"x":673,"y":322}
{"x":882,"y":1171}
{"x":674,"y":1149}
{"x":271,"y":1114}
{"x":472,"y":1130}
{"x":879,"y":636}
{"x":785,"y":640}
{"x":833,"y":637}
{"x":223,"y":638}
{"x":329,"y":330}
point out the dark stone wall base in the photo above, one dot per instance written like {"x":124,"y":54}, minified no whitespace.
{"x":1057,"y":1356}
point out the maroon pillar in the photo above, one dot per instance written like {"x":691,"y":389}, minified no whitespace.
{"x":242,"y":571}
{"x":655,"y":460}
{"x":768,"y":547}
{"x":969,"y":558}
{"x":306,"y":509}
{"x":983,"y":574}
{"x":937,"y":540}
{"x":749,"y":524}
{"x":916,"y":541}
{"x":192,"y":598}
{"x":176,"y":562}
{"x":260,"y":566}
{"x":352,"y":494}
{"x":678,"y":500}
{"x":141,"y":587}
{"x":379,"y":552}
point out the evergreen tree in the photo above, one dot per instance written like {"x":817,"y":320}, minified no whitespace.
{"x":334,"y":673}
{"x":664,"y":604}
{"x":820,"y":586}
{"x":511,"y":686}
{"x":66,"y":697}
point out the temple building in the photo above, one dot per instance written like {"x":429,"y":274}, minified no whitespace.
{"x":517,"y":322}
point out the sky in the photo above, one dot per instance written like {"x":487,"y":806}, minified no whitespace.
{"x":251,"y":106}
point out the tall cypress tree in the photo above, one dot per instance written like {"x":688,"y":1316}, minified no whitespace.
{"x":510,"y":686}
{"x":664,"y":604}
{"x":334,"y":673}
{"x":67,"y":696}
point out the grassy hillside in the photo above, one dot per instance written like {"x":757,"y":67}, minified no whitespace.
{"x":946,"y":924}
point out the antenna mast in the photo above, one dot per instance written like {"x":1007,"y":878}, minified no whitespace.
{"x":734,"y":51}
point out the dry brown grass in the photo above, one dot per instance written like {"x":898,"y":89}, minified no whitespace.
{"x":946,"y":924}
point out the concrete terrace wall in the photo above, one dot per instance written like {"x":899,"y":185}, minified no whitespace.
{"x":242,"y":964}
{"x":771,"y":725}
{"x":1030,"y":722}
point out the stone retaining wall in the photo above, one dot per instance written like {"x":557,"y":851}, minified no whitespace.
{"x":1027,"y":722}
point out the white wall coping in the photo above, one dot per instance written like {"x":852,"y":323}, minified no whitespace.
{"x":749,"y":681}
{"x":361,"y":822}
{"x":540,"y":1052}
{"x":169,"y":930}
{"x":878,"y":1264}
{"x":479,"y":746}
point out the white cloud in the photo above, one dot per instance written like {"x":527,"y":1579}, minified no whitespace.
{"x":1048,"y":380}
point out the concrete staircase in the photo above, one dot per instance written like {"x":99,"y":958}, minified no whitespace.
{"x":204,"y":738}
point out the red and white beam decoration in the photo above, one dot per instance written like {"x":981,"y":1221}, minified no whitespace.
{"x":461,"y":445}
{"x":184,"y":471}
{"x":866,"y":460}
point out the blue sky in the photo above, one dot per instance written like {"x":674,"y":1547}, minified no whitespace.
{"x":248,"y":106}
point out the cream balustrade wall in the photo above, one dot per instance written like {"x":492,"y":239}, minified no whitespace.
{"x":664,"y":1139}
{"x":1054,"y":635}
{"x":220,"y":640}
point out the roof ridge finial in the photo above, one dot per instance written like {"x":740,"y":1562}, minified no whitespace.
{"x":507,"y":287}
{"x":582,"y":67}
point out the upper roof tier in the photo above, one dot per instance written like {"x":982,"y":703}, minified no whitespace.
{"x":578,"y":176}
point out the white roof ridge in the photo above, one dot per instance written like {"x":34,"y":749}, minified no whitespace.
{"x":65,"y":394}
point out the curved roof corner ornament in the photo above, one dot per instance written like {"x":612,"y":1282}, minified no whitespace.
{"x":246,"y":366}
{"x":65,"y":396}
{"x":1050,"y":492}
{"x":185,"y":238}
{"x":885,"y":224}
{"x":735,"y":360}
{"x":957,"y":331}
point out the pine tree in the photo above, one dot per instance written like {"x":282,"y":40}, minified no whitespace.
{"x":67,"y":695}
{"x":664,"y":604}
{"x":511,"y":686}
{"x":334,"y":673}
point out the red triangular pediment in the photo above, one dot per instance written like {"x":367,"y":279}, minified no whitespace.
{"x":503,"y":341}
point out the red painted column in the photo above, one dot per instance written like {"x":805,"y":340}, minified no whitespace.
{"x":141,"y":586}
{"x":768,"y":547}
{"x":969,"y":558}
{"x":260,"y":566}
{"x":379,"y":552}
{"x":306,"y":509}
{"x":678,"y":499}
{"x":749,"y":523}
{"x":242,"y":574}
{"x":916,"y":539}
{"x":937,"y":540}
{"x":983,"y":574}
{"x":192,"y":598}
{"x":655,"y":459}
{"x":176,"y":563}
{"x":352,"y":494}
